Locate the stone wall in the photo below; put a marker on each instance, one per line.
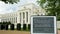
(58, 24)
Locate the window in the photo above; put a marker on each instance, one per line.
(26, 16)
(16, 19)
(23, 15)
(20, 17)
(23, 21)
(12, 20)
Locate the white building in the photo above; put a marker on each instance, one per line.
(0, 18)
(23, 14)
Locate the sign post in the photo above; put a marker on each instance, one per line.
(43, 25)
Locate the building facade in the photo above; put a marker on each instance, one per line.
(23, 14)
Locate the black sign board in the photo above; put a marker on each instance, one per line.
(43, 24)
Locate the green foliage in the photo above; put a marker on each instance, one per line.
(52, 7)
(29, 25)
(24, 26)
(5, 23)
(10, 1)
(42, 2)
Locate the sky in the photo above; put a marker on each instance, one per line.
(7, 8)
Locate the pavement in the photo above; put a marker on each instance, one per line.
(58, 32)
(17, 32)
(13, 32)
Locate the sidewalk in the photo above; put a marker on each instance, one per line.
(16, 32)
(13, 32)
(58, 31)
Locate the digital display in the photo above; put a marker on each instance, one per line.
(43, 25)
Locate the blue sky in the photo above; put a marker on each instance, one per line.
(7, 8)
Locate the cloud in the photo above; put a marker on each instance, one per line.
(7, 8)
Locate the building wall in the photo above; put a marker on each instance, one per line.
(0, 18)
(9, 17)
(23, 14)
(58, 24)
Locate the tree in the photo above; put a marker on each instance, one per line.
(10, 1)
(52, 7)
